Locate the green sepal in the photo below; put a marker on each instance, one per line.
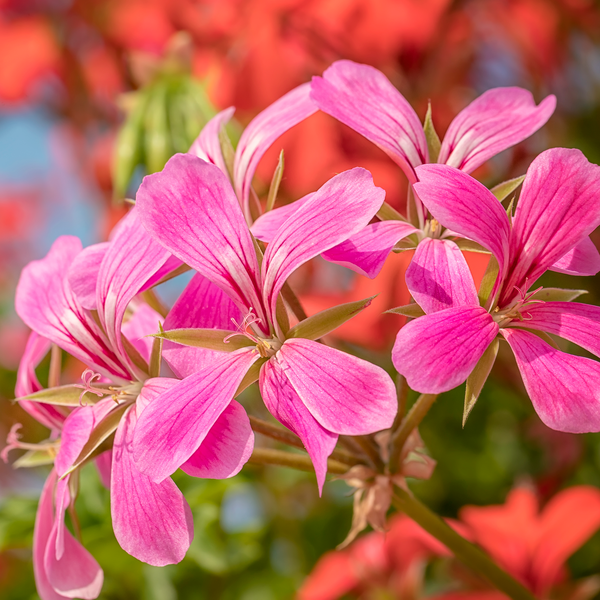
(488, 281)
(34, 458)
(478, 377)
(156, 355)
(433, 140)
(136, 358)
(99, 435)
(275, 183)
(211, 339)
(227, 151)
(251, 376)
(66, 395)
(504, 189)
(471, 246)
(327, 320)
(388, 213)
(557, 295)
(409, 310)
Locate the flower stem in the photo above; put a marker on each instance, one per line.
(415, 415)
(293, 302)
(369, 447)
(472, 556)
(301, 462)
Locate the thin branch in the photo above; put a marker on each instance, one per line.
(301, 462)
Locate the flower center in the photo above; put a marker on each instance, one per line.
(432, 229)
(514, 310)
(266, 347)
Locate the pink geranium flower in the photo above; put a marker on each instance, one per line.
(363, 98)
(316, 391)
(558, 208)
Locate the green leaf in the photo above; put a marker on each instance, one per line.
(275, 183)
(387, 213)
(433, 140)
(557, 295)
(470, 246)
(99, 435)
(409, 310)
(251, 376)
(504, 189)
(212, 339)
(34, 458)
(327, 320)
(157, 137)
(478, 377)
(66, 395)
(489, 278)
(129, 151)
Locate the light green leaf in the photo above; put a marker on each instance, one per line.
(557, 295)
(478, 377)
(409, 310)
(489, 278)
(211, 339)
(504, 189)
(433, 140)
(66, 395)
(327, 320)
(275, 183)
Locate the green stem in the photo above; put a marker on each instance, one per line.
(301, 462)
(469, 554)
(415, 415)
(369, 447)
(293, 302)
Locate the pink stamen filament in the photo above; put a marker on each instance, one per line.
(13, 443)
(88, 377)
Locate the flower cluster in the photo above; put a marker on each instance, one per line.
(159, 388)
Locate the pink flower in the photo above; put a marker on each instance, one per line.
(558, 208)
(316, 391)
(363, 98)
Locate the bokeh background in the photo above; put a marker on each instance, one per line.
(74, 72)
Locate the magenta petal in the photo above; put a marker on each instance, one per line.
(366, 251)
(172, 427)
(578, 323)
(207, 145)
(438, 277)
(564, 389)
(226, 448)
(263, 130)
(437, 352)
(201, 305)
(465, 206)
(285, 405)
(583, 259)
(143, 322)
(47, 305)
(131, 259)
(339, 209)
(191, 209)
(152, 521)
(363, 98)
(104, 466)
(83, 273)
(559, 207)
(345, 394)
(267, 225)
(497, 120)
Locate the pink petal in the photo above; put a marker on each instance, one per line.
(339, 209)
(497, 120)
(267, 225)
(104, 466)
(190, 208)
(207, 145)
(226, 448)
(438, 277)
(364, 99)
(366, 251)
(172, 427)
(143, 322)
(201, 305)
(437, 352)
(559, 206)
(285, 405)
(131, 259)
(465, 206)
(578, 323)
(583, 259)
(44, 521)
(152, 521)
(345, 394)
(564, 389)
(83, 273)
(27, 383)
(47, 305)
(262, 131)
(71, 570)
